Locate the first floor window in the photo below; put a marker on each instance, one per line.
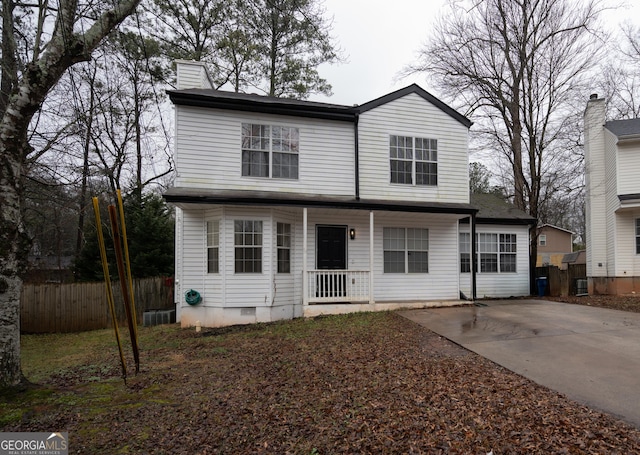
(270, 151)
(213, 246)
(496, 252)
(465, 252)
(507, 253)
(406, 250)
(283, 242)
(247, 235)
(637, 235)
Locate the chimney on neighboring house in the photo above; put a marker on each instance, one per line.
(595, 183)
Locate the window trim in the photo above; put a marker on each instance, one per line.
(280, 248)
(209, 236)
(394, 145)
(499, 254)
(637, 235)
(293, 144)
(236, 247)
(406, 251)
(542, 240)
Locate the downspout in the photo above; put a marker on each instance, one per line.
(474, 264)
(357, 155)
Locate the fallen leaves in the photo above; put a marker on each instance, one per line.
(368, 383)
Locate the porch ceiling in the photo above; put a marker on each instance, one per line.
(183, 197)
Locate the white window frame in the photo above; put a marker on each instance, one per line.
(542, 240)
(637, 235)
(248, 240)
(213, 246)
(276, 143)
(410, 245)
(489, 252)
(283, 247)
(415, 152)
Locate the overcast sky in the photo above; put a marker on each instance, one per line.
(380, 37)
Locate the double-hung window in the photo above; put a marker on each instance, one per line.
(507, 253)
(413, 160)
(247, 235)
(496, 252)
(406, 250)
(213, 246)
(283, 242)
(270, 151)
(465, 252)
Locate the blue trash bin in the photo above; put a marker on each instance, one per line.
(542, 285)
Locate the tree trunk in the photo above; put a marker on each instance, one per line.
(26, 96)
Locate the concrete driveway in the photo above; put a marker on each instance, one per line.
(591, 355)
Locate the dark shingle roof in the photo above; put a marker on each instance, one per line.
(624, 128)
(284, 106)
(494, 209)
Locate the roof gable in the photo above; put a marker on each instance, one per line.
(415, 88)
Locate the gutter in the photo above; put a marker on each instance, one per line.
(357, 155)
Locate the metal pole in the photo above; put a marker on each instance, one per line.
(109, 290)
(123, 284)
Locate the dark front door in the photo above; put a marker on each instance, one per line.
(332, 247)
(331, 254)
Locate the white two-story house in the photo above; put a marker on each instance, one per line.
(612, 159)
(289, 208)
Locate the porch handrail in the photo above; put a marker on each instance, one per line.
(326, 286)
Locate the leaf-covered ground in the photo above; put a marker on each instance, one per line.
(629, 302)
(367, 384)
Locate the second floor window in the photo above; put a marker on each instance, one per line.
(413, 160)
(270, 151)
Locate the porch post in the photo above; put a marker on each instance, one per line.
(371, 298)
(305, 279)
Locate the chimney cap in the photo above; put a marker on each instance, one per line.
(594, 96)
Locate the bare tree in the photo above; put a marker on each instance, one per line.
(64, 36)
(520, 68)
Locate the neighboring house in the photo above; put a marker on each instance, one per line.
(612, 160)
(288, 208)
(553, 243)
(502, 249)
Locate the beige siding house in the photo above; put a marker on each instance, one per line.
(288, 208)
(553, 243)
(612, 157)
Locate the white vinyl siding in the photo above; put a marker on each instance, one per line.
(210, 158)
(412, 116)
(442, 258)
(496, 284)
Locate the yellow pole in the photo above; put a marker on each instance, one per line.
(107, 281)
(127, 262)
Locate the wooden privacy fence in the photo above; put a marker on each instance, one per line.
(50, 308)
(562, 282)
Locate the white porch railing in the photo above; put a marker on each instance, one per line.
(326, 286)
